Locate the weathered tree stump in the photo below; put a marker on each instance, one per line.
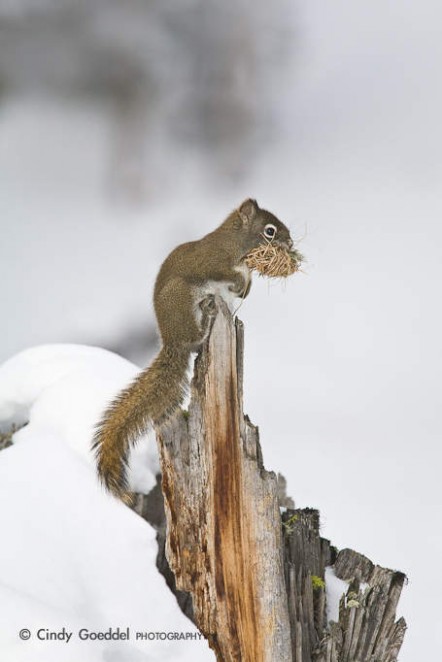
(224, 539)
(366, 630)
(252, 580)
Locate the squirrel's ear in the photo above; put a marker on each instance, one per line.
(248, 210)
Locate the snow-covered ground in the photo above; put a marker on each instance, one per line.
(342, 364)
(72, 558)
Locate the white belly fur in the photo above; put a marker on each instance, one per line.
(220, 288)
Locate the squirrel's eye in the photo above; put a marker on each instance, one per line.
(269, 231)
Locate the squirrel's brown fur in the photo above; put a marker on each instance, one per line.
(184, 304)
(151, 397)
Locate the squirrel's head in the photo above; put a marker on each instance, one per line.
(261, 226)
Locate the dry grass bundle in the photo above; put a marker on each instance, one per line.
(273, 261)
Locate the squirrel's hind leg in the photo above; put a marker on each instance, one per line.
(184, 314)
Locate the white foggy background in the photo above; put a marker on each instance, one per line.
(125, 130)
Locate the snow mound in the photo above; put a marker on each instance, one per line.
(72, 556)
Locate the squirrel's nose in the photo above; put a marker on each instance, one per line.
(290, 243)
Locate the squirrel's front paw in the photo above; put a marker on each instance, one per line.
(240, 291)
(208, 306)
(208, 309)
(236, 289)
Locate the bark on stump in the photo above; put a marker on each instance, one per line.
(366, 630)
(251, 580)
(224, 538)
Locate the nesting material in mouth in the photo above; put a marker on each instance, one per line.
(273, 261)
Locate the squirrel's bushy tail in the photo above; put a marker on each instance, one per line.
(150, 399)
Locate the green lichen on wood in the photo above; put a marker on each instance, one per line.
(317, 583)
(289, 525)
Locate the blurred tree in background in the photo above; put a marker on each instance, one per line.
(199, 72)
